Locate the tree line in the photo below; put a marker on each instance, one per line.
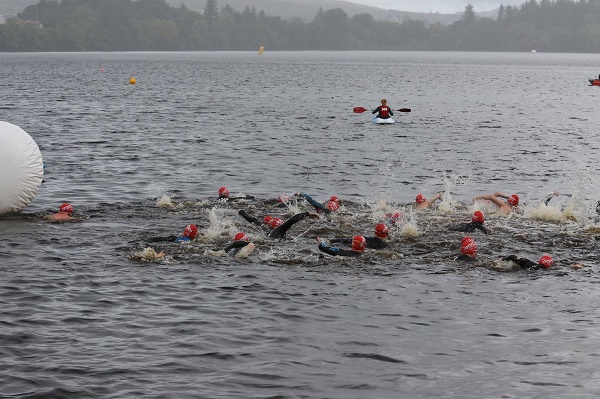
(153, 25)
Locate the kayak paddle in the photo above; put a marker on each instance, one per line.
(360, 110)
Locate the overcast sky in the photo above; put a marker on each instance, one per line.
(442, 6)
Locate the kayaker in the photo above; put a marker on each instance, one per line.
(512, 201)
(359, 243)
(476, 224)
(383, 111)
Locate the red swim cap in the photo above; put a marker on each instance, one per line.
(420, 199)
(359, 243)
(68, 208)
(276, 222)
(468, 246)
(393, 217)
(332, 205)
(334, 199)
(477, 217)
(267, 219)
(283, 198)
(381, 230)
(241, 237)
(546, 261)
(190, 231)
(223, 192)
(513, 200)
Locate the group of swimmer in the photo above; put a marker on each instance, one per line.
(276, 228)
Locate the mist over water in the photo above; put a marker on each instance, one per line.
(84, 315)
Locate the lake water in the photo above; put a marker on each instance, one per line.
(83, 315)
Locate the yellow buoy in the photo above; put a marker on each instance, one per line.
(132, 81)
(260, 50)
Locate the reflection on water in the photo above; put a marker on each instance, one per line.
(84, 315)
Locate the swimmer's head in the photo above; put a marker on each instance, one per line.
(393, 217)
(276, 222)
(267, 219)
(359, 243)
(223, 192)
(546, 261)
(332, 206)
(383, 101)
(190, 231)
(381, 230)
(420, 199)
(241, 236)
(513, 200)
(468, 246)
(66, 208)
(477, 217)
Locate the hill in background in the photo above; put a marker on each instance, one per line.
(304, 9)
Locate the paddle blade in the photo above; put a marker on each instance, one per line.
(404, 110)
(359, 110)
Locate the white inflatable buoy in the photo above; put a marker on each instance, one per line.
(21, 168)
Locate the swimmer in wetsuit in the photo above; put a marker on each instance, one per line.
(359, 243)
(240, 241)
(278, 227)
(383, 111)
(468, 250)
(224, 194)
(331, 205)
(512, 201)
(377, 242)
(476, 224)
(189, 233)
(544, 263)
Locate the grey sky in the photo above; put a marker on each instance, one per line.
(442, 6)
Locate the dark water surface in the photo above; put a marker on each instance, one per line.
(82, 315)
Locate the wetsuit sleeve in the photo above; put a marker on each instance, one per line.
(524, 263)
(236, 245)
(341, 241)
(376, 110)
(334, 251)
(481, 227)
(279, 232)
(460, 227)
(375, 243)
(391, 112)
(159, 239)
(318, 206)
(249, 218)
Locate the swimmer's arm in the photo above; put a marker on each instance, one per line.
(499, 194)
(493, 198)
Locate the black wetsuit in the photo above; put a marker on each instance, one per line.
(524, 263)
(249, 218)
(235, 247)
(279, 232)
(469, 227)
(318, 206)
(372, 242)
(377, 111)
(172, 238)
(334, 251)
(465, 258)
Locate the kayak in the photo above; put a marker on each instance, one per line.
(383, 121)
(594, 82)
